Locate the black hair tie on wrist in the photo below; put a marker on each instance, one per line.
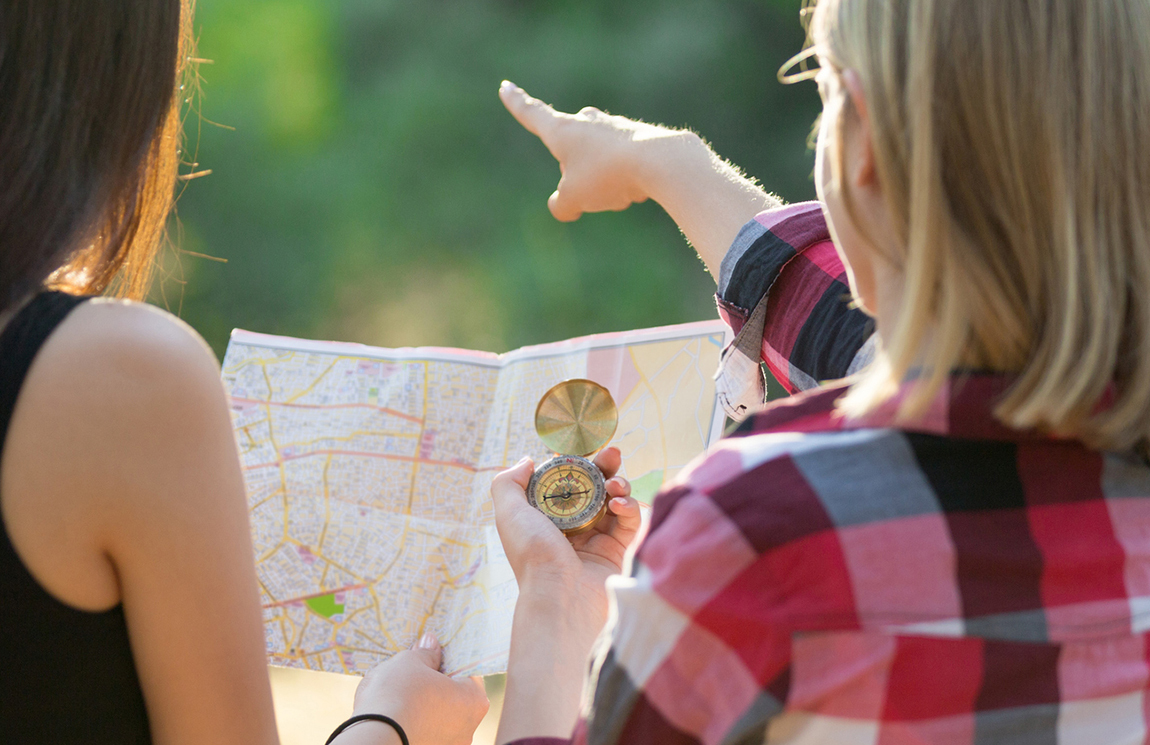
(372, 717)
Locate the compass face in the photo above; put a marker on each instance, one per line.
(571, 491)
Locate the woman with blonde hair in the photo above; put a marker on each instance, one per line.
(952, 545)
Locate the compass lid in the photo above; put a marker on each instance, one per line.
(576, 417)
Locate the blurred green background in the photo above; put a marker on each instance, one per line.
(369, 185)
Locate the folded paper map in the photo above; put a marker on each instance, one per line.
(368, 474)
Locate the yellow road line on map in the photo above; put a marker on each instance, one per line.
(382, 456)
(303, 629)
(422, 432)
(315, 382)
(265, 589)
(327, 407)
(507, 438)
(367, 609)
(353, 435)
(430, 612)
(340, 567)
(246, 429)
(265, 500)
(379, 619)
(326, 508)
(402, 540)
(283, 357)
(276, 450)
(376, 642)
(267, 381)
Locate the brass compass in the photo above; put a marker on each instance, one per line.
(575, 419)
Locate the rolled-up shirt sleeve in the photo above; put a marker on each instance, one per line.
(812, 331)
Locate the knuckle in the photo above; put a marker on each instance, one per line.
(590, 112)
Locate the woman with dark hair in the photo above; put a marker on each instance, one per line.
(129, 610)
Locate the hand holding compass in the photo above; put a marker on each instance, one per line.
(576, 418)
(562, 578)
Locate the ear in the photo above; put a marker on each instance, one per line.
(861, 169)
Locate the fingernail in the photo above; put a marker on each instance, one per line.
(506, 85)
(428, 641)
(523, 460)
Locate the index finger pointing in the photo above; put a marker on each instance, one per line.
(533, 114)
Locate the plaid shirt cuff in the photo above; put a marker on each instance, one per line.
(812, 333)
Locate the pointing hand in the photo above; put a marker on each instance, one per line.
(598, 154)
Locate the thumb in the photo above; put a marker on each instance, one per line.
(428, 651)
(562, 208)
(507, 489)
(519, 475)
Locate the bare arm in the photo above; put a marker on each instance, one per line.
(122, 484)
(562, 602)
(610, 162)
(123, 431)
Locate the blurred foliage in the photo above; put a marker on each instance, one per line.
(369, 186)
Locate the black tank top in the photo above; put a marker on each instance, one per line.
(66, 675)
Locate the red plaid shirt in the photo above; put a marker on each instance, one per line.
(816, 580)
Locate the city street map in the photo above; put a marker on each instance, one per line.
(368, 474)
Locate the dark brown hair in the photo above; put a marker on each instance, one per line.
(89, 141)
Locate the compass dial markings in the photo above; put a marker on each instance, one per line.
(570, 491)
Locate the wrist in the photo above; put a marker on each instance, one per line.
(368, 732)
(665, 158)
(566, 613)
(548, 579)
(545, 669)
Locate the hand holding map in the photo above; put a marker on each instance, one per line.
(368, 474)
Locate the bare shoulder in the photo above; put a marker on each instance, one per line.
(117, 386)
(123, 405)
(115, 378)
(130, 342)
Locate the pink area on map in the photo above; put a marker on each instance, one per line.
(427, 443)
(613, 367)
(242, 406)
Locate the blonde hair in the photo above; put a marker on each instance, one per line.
(1012, 142)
